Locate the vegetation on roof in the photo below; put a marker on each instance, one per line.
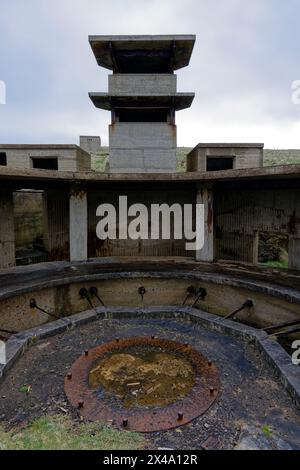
(271, 158)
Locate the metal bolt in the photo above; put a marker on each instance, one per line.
(211, 390)
(125, 423)
(69, 376)
(209, 363)
(80, 403)
(180, 416)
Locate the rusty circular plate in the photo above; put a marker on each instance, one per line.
(93, 408)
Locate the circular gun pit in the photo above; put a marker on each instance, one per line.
(142, 384)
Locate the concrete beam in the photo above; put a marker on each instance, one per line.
(205, 196)
(78, 224)
(7, 231)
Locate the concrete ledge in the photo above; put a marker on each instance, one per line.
(272, 352)
(63, 273)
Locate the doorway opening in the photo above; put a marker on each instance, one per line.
(273, 249)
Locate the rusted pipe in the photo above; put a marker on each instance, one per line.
(85, 295)
(202, 293)
(94, 293)
(286, 332)
(248, 304)
(8, 332)
(281, 325)
(142, 291)
(33, 304)
(191, 290)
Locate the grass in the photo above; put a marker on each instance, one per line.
(60, 433)
(266, 431)
(276, 264)
(271, 158)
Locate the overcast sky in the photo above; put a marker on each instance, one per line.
(244, 62)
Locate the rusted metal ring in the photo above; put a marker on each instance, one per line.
(197, 402)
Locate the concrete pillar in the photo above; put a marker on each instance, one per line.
(205, 196)
(56, 224)
(294, 253)
(7, 230)
(78, 224)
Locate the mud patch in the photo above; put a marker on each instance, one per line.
(143, 377)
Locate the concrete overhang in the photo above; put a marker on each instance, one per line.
(178, 101)
(46, 178)
(143, 54)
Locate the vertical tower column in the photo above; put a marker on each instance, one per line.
(78, 224)
(7, 231)
(205, 196)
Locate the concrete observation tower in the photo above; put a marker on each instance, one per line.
(142, 98)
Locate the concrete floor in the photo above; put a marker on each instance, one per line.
(251, 394)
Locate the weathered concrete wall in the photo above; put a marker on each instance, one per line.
(240, 214)
(142, 147)
(142, 195)
(90, 144)
(251, 157)
(16, 314)
(7, 232)
(56, 224)
(28, 216)
(142, 161)
(78, 224)
(142, 84)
